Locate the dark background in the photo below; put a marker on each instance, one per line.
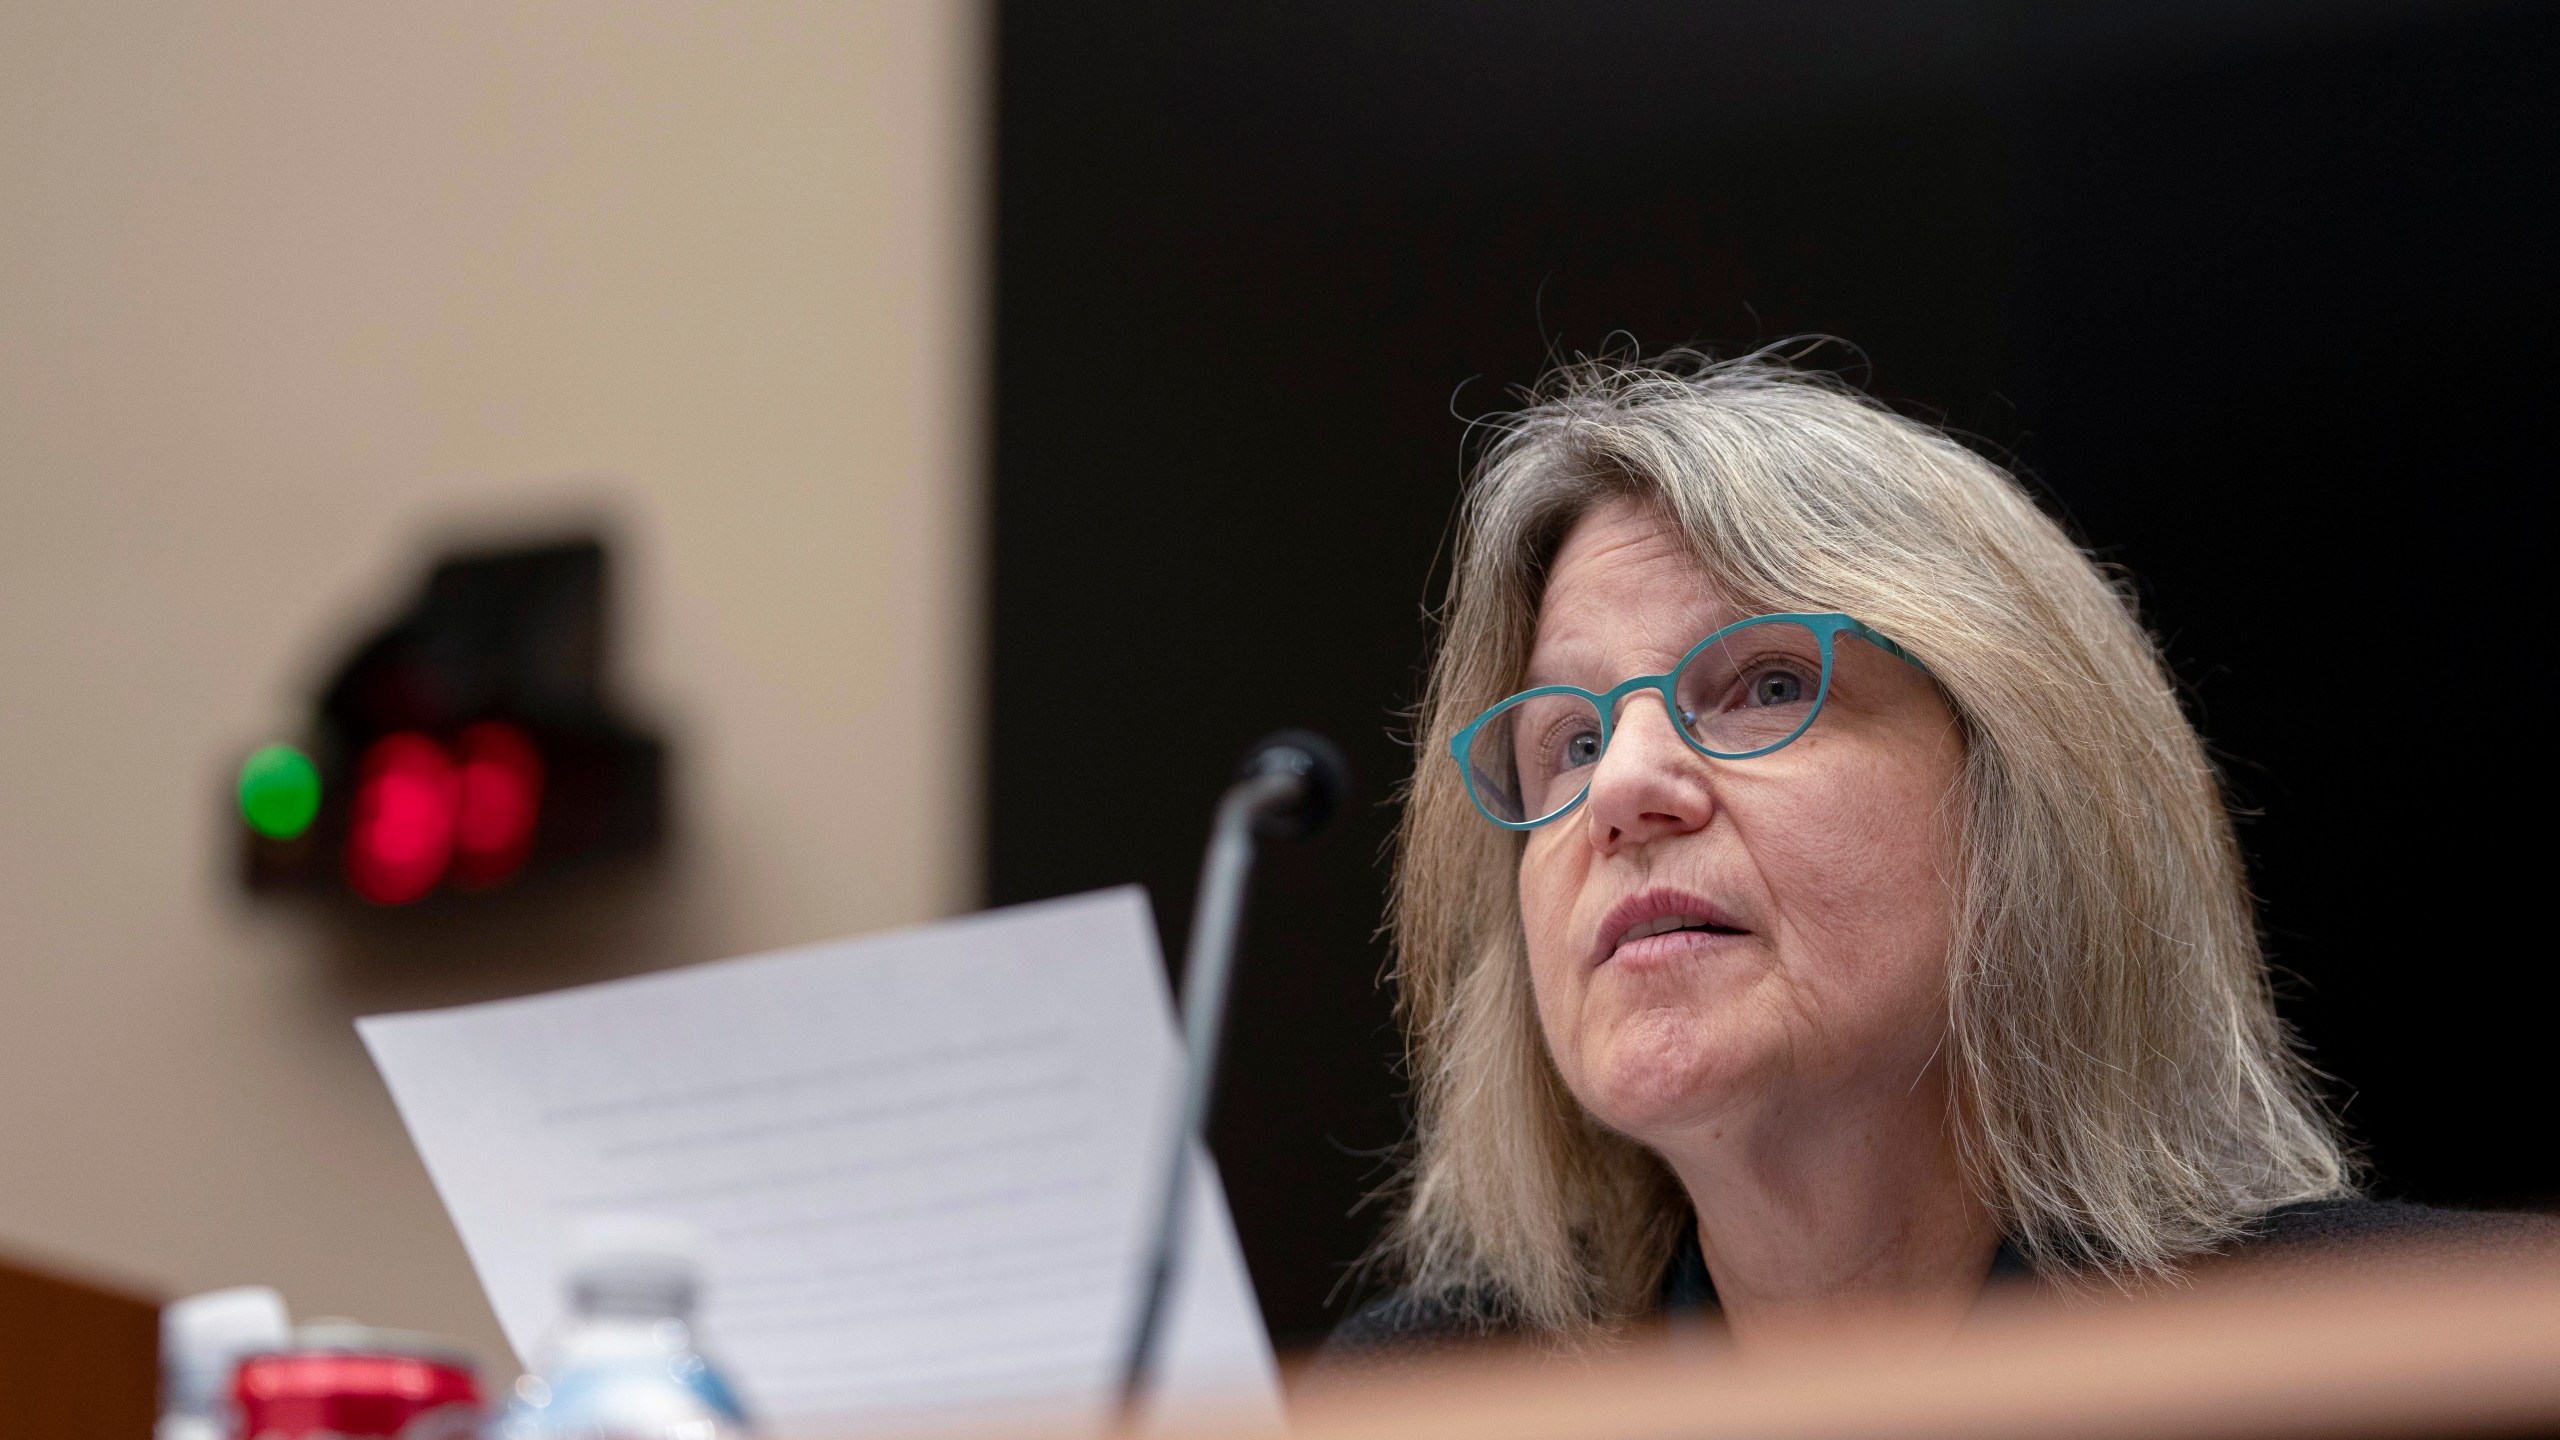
(2254, 293)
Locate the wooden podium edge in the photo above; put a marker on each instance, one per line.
(2301, 1354)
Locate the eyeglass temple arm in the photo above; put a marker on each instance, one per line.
(1886, 643)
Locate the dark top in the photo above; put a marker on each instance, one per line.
(1407, 1320)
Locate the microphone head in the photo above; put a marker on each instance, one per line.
(1324, 782)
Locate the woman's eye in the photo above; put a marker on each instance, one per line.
(1778, 687)
(1582, 748)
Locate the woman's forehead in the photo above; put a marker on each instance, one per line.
(1624, 591)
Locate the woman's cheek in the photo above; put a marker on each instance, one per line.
(1547, 892)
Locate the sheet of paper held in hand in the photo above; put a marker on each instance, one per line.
(925, 1160)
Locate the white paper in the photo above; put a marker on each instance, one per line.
(926, 1159)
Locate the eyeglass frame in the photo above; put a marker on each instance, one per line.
(1827, 627)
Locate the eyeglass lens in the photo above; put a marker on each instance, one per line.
(1753, 689)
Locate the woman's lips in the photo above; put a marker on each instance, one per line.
(1658, 949)
(1657, 924)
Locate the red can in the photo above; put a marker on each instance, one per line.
(348, 1382)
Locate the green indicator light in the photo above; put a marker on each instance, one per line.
(279, 792)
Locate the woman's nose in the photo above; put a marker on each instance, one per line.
(1649, 784)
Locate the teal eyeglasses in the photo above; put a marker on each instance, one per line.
(1748, 689)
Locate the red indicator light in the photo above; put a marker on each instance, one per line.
(401, 835)
(501, 803)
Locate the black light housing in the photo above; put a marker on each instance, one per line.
(471, 744)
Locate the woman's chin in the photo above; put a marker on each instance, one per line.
(1663, 1072)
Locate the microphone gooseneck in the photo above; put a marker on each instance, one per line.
(1288, 787)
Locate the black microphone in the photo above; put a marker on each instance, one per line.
(1287, 788)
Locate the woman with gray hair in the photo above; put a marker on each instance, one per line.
(1812, 899)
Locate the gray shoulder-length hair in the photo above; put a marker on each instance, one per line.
(2123, 1093)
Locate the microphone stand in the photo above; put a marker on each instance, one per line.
(1289, 786)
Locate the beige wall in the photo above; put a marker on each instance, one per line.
(286, 289)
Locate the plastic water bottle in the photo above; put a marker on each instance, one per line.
(624, 1363)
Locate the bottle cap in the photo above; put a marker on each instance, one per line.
(635, 1264)
(204, 1336)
